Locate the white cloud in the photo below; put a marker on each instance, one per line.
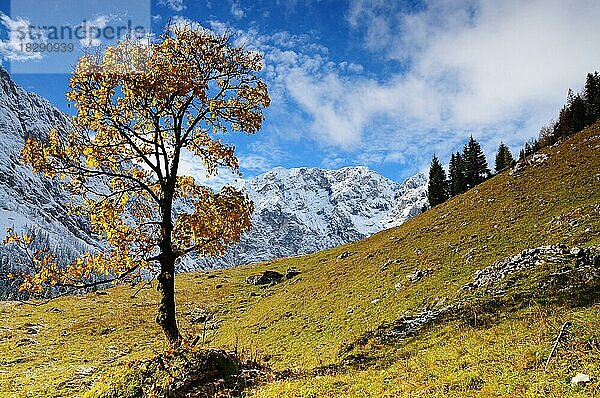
(236, 10)
(255, 163)
(175, 5)
(20, 35)
(90, 28)
(498, 70)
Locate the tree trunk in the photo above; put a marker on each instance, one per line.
(166, 310)
(166, 279)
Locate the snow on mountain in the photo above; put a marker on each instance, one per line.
(31, 202)
(303, 210)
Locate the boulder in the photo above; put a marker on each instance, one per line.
(418, 274)
(580, 379)
(292, 272)
(345, 255)
(266, 278)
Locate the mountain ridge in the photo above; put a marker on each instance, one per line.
(306, 209)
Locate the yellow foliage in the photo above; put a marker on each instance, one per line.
(139, 106)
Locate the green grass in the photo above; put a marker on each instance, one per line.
(303, 324)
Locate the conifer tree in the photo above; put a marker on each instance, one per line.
(457, 184)
(578, 114)
(437, 189)
(591, 97)
(475, 164)
(504, 158)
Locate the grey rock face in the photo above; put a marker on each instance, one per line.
(304, 210)
(29, 202)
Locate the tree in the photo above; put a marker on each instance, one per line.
(456, 172)
(437, 188)
(504, 158)
(475, 165)
(141, 107)
(591, 97)
(578, 114)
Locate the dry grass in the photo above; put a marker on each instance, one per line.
(302, 324)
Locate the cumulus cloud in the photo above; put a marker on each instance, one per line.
(90, 28)
(489, 61)
(498, 70)
(20, 35)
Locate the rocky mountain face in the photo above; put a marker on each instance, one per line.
(297, 211)
(304, 210)
(31, 202)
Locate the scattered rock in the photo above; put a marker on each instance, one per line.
(580, 379)
(577, 251)
(106, 331)
(85, 372)
(385, 266)
(398, 286)
(345, 255)
(581, 266)
(292, 272)
(101, 293)
(419, 274)
(32, 328)
(536, 159)
(25, 341)
(265, 278)
(200, 316)
(406, 326)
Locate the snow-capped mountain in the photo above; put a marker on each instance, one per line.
(30, 202)
(303, 210)
(297, 211)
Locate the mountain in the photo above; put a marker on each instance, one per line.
(303, 210)
(30, 202)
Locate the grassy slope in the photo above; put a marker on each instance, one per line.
(303, 323)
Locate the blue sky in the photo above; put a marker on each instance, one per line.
(384, 83)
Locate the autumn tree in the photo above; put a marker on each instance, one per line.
(141, 107)
(437, 188)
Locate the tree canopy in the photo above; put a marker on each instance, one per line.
(457, 183)
(141, 107)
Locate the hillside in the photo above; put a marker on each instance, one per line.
(337, 325)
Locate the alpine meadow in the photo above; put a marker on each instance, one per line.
(299, 199)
